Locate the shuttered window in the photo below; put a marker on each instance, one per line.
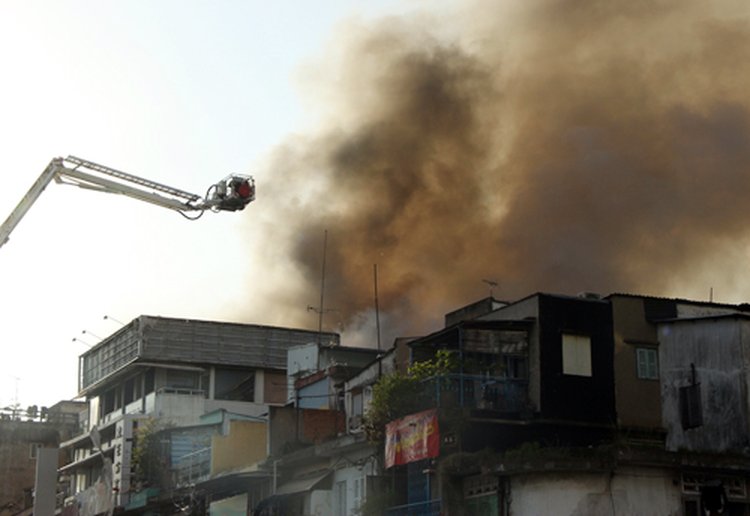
(576, 354)
(647, 363)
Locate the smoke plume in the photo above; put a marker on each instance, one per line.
(558, 146)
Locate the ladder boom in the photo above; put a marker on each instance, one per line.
(232, 193)
(132, 178)
(85, 180)
(28, 200)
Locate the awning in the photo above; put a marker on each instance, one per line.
(299, 484)
(321, 480)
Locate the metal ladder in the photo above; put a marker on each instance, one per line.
(133, 179)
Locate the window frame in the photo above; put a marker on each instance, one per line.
(645, 373)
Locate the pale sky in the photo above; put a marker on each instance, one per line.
(180, 92)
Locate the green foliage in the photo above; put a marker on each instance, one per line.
(149, 458)
(396, 395)
(441, 364)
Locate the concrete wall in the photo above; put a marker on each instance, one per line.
(287, 425)
(244, 446)
(318, 503)
(234, 506)
(630, 492)
(179, 409)
(302, 359)
(274, 387)
(638, 401)
(718, 349)
(316, 395)
(353, 472)
(282, 429)
(45, 486)
(17, 466)
(244, 408)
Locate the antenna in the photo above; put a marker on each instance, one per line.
(16, 379)
(322, 286)
(492, 284)
(377, 309)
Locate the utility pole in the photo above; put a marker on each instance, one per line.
(322, 287)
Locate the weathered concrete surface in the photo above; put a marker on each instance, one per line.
(629, 492)
(718, 348)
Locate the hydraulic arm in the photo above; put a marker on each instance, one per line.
(232, 193)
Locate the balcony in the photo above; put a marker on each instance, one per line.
(193, 467)
(506, 395)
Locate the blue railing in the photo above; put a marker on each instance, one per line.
(480, 392)
(428, 508)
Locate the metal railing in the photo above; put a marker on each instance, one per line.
(428, 508)
(479, 392)
(193, 467)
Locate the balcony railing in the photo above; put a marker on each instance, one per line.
(428, 508)
(193, 467)
(479, 392)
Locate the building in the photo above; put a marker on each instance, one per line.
(319, 455)
(22, 434)
(551, 404)
(188, 386)
(581, 405)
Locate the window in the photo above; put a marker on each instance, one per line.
(576, 354)
(647, 363)
(109, 401)
(234, 384)
(340, 496)
(179, 379)
(359, 491)
(357, 403)
(129, 390)
(148, 382)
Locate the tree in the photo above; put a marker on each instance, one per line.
(150, 458)
(397, 394)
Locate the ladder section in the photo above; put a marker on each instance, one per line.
(132, 179)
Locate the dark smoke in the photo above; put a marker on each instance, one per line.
(561, 146)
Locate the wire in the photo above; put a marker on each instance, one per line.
(189, 217)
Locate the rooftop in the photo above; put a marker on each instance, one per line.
(189, 341)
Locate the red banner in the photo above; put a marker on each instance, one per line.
(412, 438)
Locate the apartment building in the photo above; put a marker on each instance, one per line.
(192, 383)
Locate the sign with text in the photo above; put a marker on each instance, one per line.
(412, 438)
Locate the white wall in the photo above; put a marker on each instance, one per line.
(180, 409)
(319, 503)
(354, 471)
(630, 492)
(301, 359)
